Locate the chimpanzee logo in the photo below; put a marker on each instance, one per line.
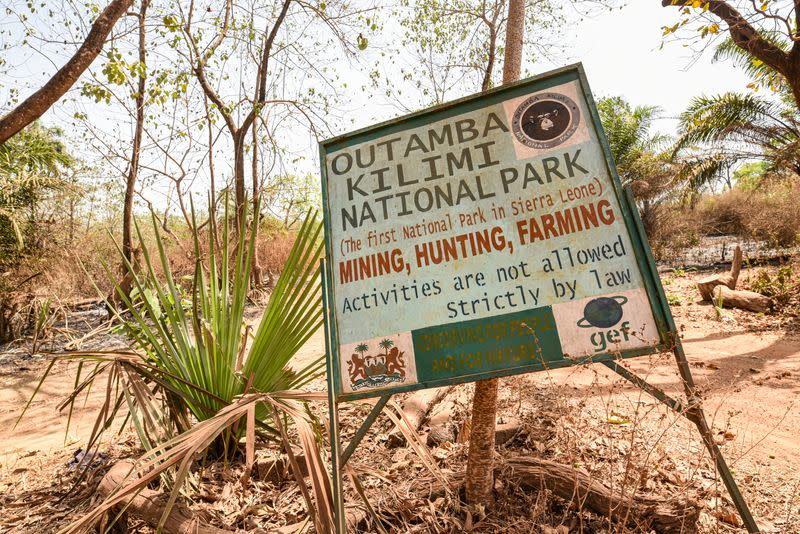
(545, 120)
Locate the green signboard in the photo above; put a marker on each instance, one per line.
(485, 237)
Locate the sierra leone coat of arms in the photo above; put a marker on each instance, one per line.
(368, 369)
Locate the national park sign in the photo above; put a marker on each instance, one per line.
(486, 237)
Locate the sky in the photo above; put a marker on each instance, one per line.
(621, 51)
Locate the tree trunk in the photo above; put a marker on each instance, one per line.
(130, 186)
(480, 459)
(257, 273)
(794, 83)
(238, 176)
(35, 105)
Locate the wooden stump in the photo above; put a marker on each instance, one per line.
(745, 300)
(706, 285)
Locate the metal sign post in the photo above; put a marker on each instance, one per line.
(487, 237)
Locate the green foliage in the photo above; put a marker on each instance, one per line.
(32, 163)
(734, 116)
(718, 302)
(749, 176)
(288, 197)
(649, 160)
(745, 126)
(206, 345)
(458, 45)
(195, 355)
(780, 287)
(637, 152)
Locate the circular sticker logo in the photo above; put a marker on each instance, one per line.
(602, 312)
(545, 120)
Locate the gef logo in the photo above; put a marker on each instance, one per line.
(604, 313)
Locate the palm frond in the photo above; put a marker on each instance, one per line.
(731, 116)
(180, 452)
(762, 74)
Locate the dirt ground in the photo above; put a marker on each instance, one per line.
(746, 366)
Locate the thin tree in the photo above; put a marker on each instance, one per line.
(35, 105)
(238, 132)
(480, 459)
(133, 169)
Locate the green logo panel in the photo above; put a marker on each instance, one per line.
(514, 340)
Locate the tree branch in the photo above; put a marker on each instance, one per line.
(744, 35)
(35, 105)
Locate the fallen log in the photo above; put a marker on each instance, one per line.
(149, 505)
(644, 511)
(678, 514)
(706, 285)
(416, 408)
(739, 298)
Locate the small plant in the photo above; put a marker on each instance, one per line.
(779, 287)
(718, 301)
(42, 323)
(674, 299)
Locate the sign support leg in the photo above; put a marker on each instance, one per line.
(365, 426)
(693, 411)
(696, 415)
(337, 464)
(333, 420)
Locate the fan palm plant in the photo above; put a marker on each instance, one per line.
(192, 353)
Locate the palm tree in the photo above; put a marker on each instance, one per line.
(746, 126)
(362, 348)
(629, 136)
(648, 161)
(31, 163)
(386, 344)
